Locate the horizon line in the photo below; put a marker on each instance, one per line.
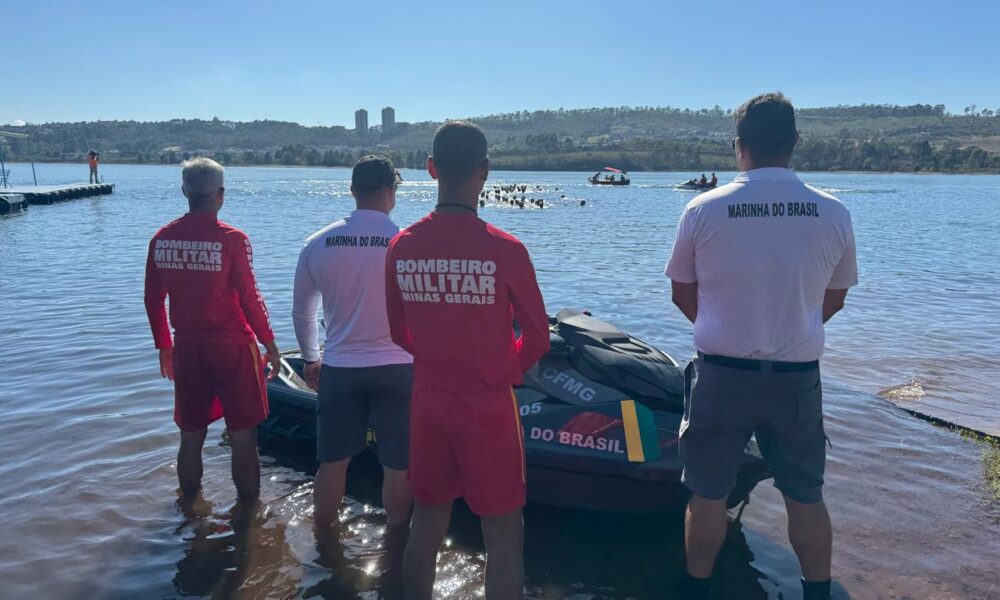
(946, 112)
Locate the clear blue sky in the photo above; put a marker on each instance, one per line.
(316, 62)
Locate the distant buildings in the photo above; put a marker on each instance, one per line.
(388, 119)
(361, 121)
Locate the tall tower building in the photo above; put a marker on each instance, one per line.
(388, 119)
(361, 121)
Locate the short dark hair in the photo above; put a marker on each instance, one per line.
(765, 125)
(373, 172)
(459, 147)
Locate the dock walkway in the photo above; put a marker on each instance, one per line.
(50, 194)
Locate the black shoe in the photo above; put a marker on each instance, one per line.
(694, 588)
(815, 590)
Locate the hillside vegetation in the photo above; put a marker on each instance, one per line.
(865, 138)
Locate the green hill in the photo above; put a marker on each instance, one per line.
(866, 137)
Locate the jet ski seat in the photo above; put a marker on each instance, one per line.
(609, 356)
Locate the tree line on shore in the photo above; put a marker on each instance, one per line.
(668, 155)
(868, 137)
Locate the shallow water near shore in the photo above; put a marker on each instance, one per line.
(87, 474)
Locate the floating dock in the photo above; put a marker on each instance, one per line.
(12, 203)
(50, 194)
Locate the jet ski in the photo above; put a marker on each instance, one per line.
(600, 413)
(695, 186)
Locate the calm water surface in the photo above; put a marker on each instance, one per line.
(87, 445)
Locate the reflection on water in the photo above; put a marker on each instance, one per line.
(248, 551)
(88, 447)
(230, 551)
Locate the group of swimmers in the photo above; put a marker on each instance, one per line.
(432, 371)
(513, 195)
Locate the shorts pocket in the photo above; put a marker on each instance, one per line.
(809, 401)
(690, 374)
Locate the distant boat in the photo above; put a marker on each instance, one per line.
(695, 186)
(609, 178)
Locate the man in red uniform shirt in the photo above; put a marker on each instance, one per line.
(206, 267)
(454, 286)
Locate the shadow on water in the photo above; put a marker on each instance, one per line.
(568, 553)
(227, 550)
(630, 555)
(359, 560)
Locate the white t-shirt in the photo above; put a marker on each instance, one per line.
(763, 250)
(344, 264)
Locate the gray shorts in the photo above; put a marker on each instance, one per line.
(351, 400)
(725, 405)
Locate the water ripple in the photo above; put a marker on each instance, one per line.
(88, 445)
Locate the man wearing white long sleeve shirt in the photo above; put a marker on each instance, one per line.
(363, 379)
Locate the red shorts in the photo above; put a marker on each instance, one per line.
(467, 445)
(216, 379)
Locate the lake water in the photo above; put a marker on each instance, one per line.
(87, 444)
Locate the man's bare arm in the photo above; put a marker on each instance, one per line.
(685, 296)
(833, 301)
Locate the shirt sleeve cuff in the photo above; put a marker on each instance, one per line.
(679, 275)
(842, 285)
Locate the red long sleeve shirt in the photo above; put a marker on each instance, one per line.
(454, 285)
(206, 267)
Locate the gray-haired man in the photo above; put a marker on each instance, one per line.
(218, 315)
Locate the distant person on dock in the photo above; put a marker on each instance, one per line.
(454, 286)
(92, 163)
(363, 378)
(206, 268)
(759, 266)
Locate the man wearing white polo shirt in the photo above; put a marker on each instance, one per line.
(759, 265)
(363, 378)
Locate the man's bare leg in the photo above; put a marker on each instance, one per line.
(811, 535)
(396, 497)
(504, 537)
(704, 532)
(328, 492)
(189, 467)
(246, 463)
(427, 530)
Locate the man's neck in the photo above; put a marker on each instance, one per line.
(204, 211)
(750, 165)
(375, 207)
(457, 201)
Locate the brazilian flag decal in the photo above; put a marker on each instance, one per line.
(641, 440)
